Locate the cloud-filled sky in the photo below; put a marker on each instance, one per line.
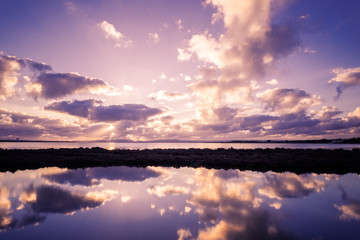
(190, 70)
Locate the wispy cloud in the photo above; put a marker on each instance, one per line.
(111, 32)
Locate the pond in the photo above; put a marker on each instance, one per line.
(170, 203)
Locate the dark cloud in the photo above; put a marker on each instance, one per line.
(225, 113)
(227, 174)
(135, 112)
(282, 39)
(51, 199)
(56, 85)
(92, 176)
(93, 110)
(76, 108)
(37, 66)
(287, 100)
(48, 199)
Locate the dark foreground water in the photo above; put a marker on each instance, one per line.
(185, 203)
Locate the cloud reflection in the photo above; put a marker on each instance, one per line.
(36, 202)
(351, 209)
(231, 204)
(92, 176)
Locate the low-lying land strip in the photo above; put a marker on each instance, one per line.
(278, 159)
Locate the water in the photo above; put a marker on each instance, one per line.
(111, 145)
(185, 203)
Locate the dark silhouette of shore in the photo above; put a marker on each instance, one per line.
(337, 161)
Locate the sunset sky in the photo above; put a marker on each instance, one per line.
(179, 69)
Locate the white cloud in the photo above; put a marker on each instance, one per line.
(163, 95)
(128, 88)
(272, 82)
(346, 78)
(111, 32)
(162, 75)
(183, 55)
(154, 37)
(162, 191)
(179, 24)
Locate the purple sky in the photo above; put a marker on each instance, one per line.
(190, 70)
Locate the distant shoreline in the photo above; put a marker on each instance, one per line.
(337, 161)
(323, 141)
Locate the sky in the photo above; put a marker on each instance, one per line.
(197, 70)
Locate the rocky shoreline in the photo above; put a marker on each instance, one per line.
(337, 161)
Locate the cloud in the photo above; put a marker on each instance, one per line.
(9, 68)
(163, 95)
(20, 125)
(56, 85)
(242, 55)
(95, 111)
(93, 176)
(76, 108)
(327, 112)
(183, 55)
(346, 78)
(230, 208)
(51, 199)
(351, 209)
(289, 185)
(154, 37)
(37, 202)
(111, 32)
(43, 83)
(272, 82)
(286, 100)
(179, 24)
(162, 191)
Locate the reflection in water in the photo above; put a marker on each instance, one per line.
(351, 209)
(167, 203)
(91, 176)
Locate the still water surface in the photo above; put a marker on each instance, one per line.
(185, 203)
(111, 145)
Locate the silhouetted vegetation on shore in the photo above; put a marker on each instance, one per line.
(279, 159)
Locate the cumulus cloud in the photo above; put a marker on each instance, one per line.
(45, 84)
(111, 32)
(163, 95)
(20, 125)
(9, 67)
(76, 108)
(241, 56)
(95, 111)
(183, 55)
(56, 85)
(345, 78)
(272, 82)
(154, 37)
(328, 112)
(286, 100)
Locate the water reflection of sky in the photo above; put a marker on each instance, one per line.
(186, 203)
